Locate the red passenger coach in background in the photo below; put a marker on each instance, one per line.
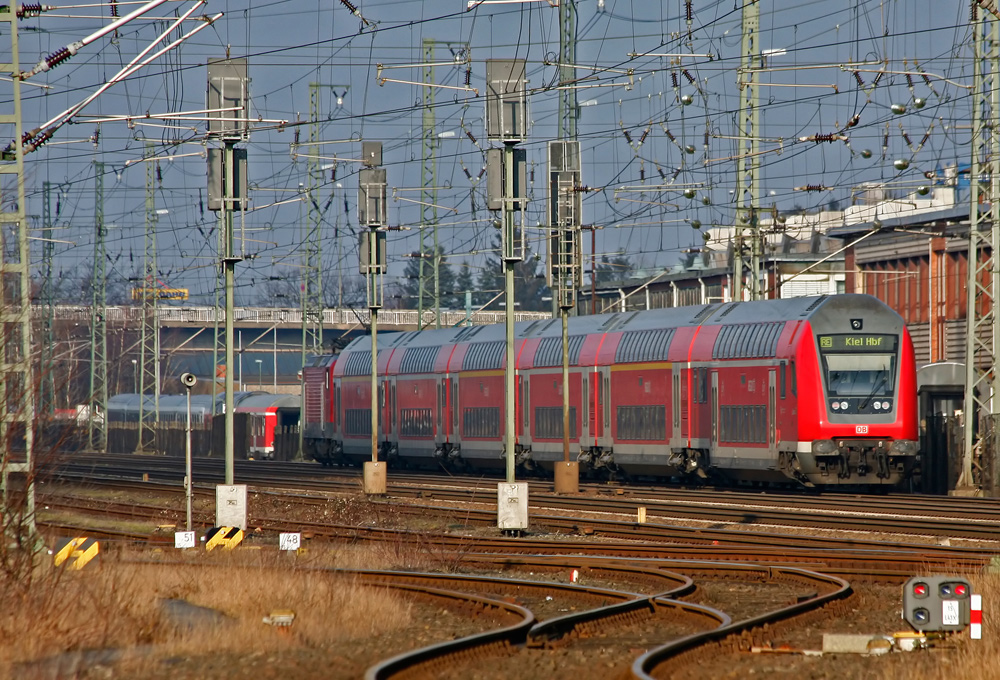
(820, 390)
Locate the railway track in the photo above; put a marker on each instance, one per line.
(458, 531)
(669, 564)
(943, 517)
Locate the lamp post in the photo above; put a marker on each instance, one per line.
(260, 379)
(189, 381)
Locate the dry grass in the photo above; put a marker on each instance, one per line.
(117, 603)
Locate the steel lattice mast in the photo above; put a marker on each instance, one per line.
(312, 274)
(97, 431)
(46, 363)
(17, 389)
(149, 337)
(983, 283)
(746, 256)
(569, 110)
(428, 195)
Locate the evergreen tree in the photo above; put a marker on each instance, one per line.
(463, 283)
(529, 282)
(613, 269)
(412, 277)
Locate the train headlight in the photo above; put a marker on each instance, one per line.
(886, 405)
(835, 406)
(877, 405)
(843, 405)
(824, 447)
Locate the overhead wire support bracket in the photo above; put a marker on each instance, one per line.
(64, 53)
(38, 136)
(382, 80)
(472, 4)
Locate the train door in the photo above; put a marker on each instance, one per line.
(772, 408)
(585, 407)
(390, 407)
(338, 417)
(455, 412)
(441, 432)
(595, 406)
(604, 399)
(714, 406)
(526, 409)
(676, 396)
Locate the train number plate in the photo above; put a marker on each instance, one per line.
(861, 429)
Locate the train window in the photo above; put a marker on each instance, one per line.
(525, 412)
(782, 380)
(454, 404)
(703, 385)
(607, 402)
(549, 422)
(860, 375)
(745, 338)
(677, 399)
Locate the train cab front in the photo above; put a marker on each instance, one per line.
(867, 434)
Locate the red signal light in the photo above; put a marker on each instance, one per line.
(920, 589)
(960, 590)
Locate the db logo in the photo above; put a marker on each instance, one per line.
(861, 429)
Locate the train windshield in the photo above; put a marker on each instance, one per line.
(859, 365)
(864, 375)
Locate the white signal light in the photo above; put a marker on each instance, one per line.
(843, 405)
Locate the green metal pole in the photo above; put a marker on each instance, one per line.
(508, 265)
(374, 313)
(230, 267)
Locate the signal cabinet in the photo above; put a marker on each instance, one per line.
(937, 603)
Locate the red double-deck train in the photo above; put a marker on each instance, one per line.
(821, 390)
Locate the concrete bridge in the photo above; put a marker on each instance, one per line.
(171, 316)
(268, 340)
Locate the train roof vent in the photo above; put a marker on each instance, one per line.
(816, 303)
(621, 320)
(359, 363)
(418, 360)
(610, 322)
(484, 356)
(728, 309)
(650, 345)
(550, 351)
(547, 326)
(467, 333)
(705, 313)
(748, 340)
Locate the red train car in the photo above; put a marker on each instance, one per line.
(821, 390)
(319, 407)
(265, 414)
